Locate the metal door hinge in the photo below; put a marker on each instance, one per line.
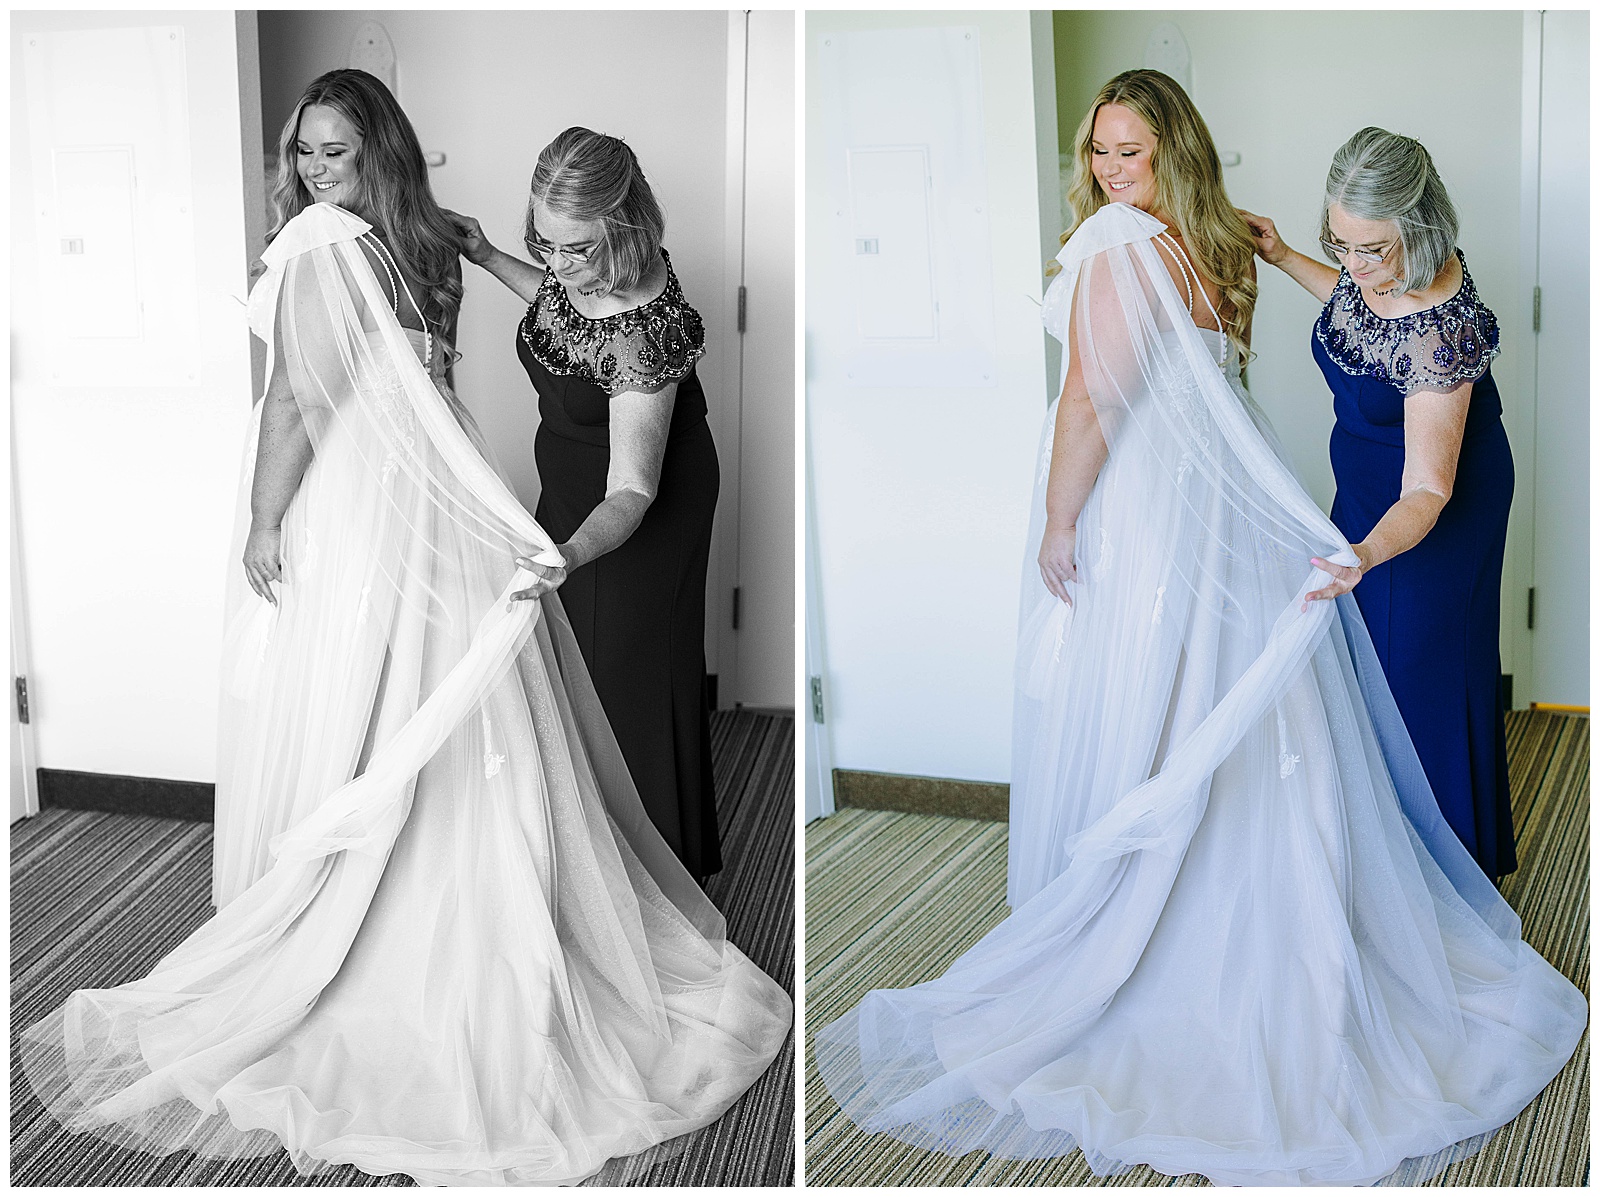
(742, 294)
(1530, 608)
(736, 595)
(816, 701)
(22, 700)
(1538, 297)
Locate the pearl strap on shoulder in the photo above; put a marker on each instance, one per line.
(1187, 267)
(393, 271)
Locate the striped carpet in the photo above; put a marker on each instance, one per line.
(97, 898)
(893, 899)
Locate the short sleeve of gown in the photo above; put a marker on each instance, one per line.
(652, 346)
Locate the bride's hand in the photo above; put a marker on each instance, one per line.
(1265, 234)
(1058, 561)
(1344, 577)
(475, 247)
(550, 577)
(262, 564)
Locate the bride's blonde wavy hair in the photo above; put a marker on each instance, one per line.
(1189, 190)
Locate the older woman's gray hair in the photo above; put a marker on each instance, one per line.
(1378, 175)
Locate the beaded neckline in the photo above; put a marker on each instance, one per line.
(1437, 348)
(1455, 295)
(666, 293)
(641, 349)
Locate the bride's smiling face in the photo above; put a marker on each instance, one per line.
(1121, 146)
(325, 155)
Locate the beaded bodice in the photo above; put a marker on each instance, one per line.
(1433, 350)
(642, 349)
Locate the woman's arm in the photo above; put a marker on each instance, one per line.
(639, 425)
(1077, 451)
(1317, 277)
(283, 451)
(1434, 422)
(522, 277)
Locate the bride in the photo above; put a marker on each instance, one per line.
(1243, 941)
(450, 942)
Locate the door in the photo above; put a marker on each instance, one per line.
(1560, 641)
(758, 624)
(129, 373)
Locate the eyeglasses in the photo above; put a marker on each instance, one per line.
(1366, 255)
(543, 249)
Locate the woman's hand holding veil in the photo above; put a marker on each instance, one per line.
(1344, 577)
(549, 578)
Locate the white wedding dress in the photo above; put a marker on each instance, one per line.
(450, 942)
(1243, 941)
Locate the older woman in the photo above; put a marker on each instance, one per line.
(1422, 464)
(627, 467)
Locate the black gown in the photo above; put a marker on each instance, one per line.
(638, 611)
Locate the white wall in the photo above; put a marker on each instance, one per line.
(921, 493)
(1284, 90)
(126, 494)
(490, 90)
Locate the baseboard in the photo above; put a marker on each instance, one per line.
(922, 795)
(119, 795)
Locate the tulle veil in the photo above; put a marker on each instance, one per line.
(449, 943)
(1243, 941)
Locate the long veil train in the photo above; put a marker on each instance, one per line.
(450, 942)
(1243, 940)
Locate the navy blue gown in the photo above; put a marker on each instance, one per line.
(638, 612)
(1434, 610)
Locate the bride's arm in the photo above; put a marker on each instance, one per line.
(283, 451)
(522, 277)
(1316, 277)
(1077, 451)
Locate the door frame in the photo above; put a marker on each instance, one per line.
(25, 769)
(1519, 657)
